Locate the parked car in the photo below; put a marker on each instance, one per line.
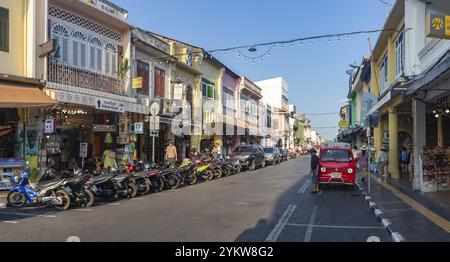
(283, 154)
(273, 156)
(249, 157)
(337, 165)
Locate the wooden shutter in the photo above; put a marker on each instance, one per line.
(160, 81)
(143, 70)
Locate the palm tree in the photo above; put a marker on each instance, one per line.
(123, 69)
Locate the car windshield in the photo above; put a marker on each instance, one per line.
(268, 150)
(336, 155)
(247, 149)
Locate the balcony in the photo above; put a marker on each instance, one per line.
(108, 7)
(71, 76)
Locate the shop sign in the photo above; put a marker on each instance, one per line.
(137, 82)
(83, 150)
(139, 128)
(178, 92)
(49, 126)
(344, 124)
(154, 133)
(438, 26)
(104, 128)
(110, 105)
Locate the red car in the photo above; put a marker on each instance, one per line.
(337, 164)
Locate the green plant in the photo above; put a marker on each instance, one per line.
(123, 69)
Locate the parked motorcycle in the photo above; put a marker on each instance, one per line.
(187, 171)
(51, 194)
(113, 184)
(139, 177)
(78, 189)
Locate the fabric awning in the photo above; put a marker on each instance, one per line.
(24, 97)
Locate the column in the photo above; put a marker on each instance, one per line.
(378, 134)
(393, 144)
(440, 132)
(419, 140)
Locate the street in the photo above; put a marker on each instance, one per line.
(272, 204)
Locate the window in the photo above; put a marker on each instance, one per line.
(61, 35)
(269, 118)
(208, 89)
(143, 70)
(110, 59)
(400, 54)
(78, 49)
(228, 99)
(160, 83)
(384, 74)
(95, 54)
(336, 155)
(4, 29)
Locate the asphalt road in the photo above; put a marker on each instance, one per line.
(271, 204)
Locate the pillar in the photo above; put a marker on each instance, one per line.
(440, 132)
(378, 134)
(393, 144)
(419, 140)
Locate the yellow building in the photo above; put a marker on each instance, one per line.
(394, 129)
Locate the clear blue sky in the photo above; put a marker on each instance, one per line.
(315, 75)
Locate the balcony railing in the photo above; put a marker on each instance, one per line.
(71, 76)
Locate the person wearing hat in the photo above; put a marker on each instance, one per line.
(363, 162)
(383, 162)
(314, 170)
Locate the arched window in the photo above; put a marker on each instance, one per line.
(95, 54)
(78, 49)
(61, 34)
(110, 59)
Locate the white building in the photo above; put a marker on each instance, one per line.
(276, 93)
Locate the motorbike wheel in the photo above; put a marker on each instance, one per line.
(89, 197)
(238, 170)
(207, 175)
(16, 199)
(132, 190)
(191, 179)
(147, 186)
(65, 200)
(218, 173)
(173, 181)
(227, 171)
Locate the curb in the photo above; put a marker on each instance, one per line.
(381, 217)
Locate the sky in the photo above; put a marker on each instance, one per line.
(315, 74)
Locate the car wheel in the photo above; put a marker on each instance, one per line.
(252, 166)
(263, 164)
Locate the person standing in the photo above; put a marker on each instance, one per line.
(314, 170)
(383, 163)
(171, 154)
(363, 162)
(110, 159)
(404, 160)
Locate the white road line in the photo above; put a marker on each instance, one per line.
(331, 226)
(83, 210)
(273, 236)
(305, 186)
(26, 214)
(11, 222)
(310, 227)
(138, 199)
(113, 204)
(320, 192)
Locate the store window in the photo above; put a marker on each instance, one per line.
(78, 49)
(208, 89)
(110, 59)
(4, 30)
(61, 35)
(160, 82)
(228, 99)
(384, 74)
(95, 54)
(143, 70)
(400, 54)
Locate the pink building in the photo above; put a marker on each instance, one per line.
(231, 82)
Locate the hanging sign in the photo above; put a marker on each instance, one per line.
(83, 150)
(110, 105)
(49, 126)
(344, 124)
(137, 82)
(139, 128)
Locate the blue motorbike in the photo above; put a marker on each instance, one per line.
(50, 194)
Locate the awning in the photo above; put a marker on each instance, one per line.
(24, 97)
(430, 77)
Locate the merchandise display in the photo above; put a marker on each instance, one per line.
(436, 169)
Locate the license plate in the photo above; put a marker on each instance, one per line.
(336, 175)
(68, 190)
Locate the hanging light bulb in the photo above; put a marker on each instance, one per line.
(268, 54)
(292, 45)
(434, 112)
(301, 43)
(309, 43)
(348, 37)
(320, 41)
(447, 111)
(329, 40)
(253, 62)
(339, 39)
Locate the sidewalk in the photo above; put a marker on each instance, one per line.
(415, 216)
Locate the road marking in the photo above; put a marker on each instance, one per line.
(331, 226)
(11, 222)
(310, 227)
(113, 204)
(73, 239)
(83, 210)
(305, 186)
(374, 239)
(399, 209)
(138, 199)
(430, 215)
(320, 192)
(273, 236)
(26, 214)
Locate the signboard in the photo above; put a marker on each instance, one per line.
(49, 126)
(110, 105)
(368, 100)
(154, 122)
(47, 48)
(344, 124)
(438, 26)
(83, 150)
(139, 128)
(104, 128)
(178, 92)
(154, 133)
(137, 82)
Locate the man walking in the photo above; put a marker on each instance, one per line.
(171, 154)
(314, 170)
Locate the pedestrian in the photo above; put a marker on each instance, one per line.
(314, 170)
(383, 163)
(110, 158)
(411, 167)
(363, 162)
(355, 152)
(404, 159)
(171, 154)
